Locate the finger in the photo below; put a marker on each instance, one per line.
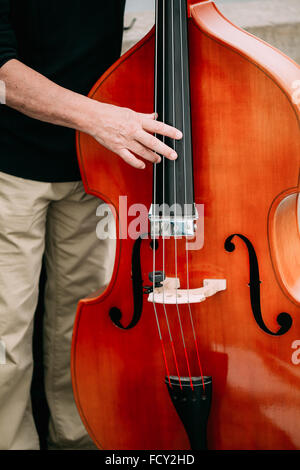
(149, 117)
(145, 153)
(129, 158)
(155, 145)
(158, 127)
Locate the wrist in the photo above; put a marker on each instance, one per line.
(90, 116)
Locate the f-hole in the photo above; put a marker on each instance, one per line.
(137, 289)
(284, 320)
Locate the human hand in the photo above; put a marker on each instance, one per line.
(130, 134)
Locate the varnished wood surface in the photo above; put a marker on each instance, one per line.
(246, 154)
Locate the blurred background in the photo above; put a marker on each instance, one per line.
(275, 21)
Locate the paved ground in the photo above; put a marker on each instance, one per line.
(143, 5)
(275, 21)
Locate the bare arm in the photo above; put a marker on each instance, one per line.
(120, 129)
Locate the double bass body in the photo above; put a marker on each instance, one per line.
(246, 147)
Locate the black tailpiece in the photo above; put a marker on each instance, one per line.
(192, 406)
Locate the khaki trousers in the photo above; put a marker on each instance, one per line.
(58, 219)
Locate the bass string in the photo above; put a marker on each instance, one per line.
(185, 197)
(175, 196)
(164, 212)
(154, 203)
(175, 193)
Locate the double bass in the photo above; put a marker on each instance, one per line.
(195, 342)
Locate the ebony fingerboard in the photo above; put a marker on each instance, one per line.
(174, 185)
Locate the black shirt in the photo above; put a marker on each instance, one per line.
(71, 42)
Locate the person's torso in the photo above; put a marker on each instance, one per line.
(71, 42)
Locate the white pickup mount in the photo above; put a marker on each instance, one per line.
(170, 292)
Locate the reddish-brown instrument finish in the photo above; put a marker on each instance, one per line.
(246, 145)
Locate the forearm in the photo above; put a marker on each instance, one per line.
(38, 97)
(122, 130)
